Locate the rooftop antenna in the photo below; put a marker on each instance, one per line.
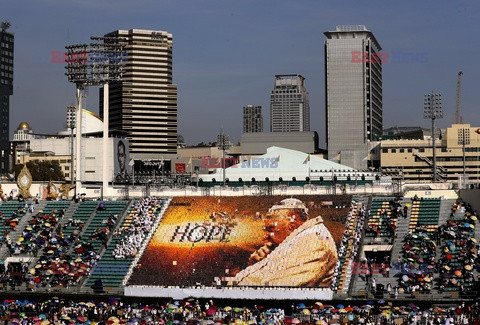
(458, 117)
(5, 25)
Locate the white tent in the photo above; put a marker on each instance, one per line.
(285, 164)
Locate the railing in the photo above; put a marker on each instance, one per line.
(442, 176)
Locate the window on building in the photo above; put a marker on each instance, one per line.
(394, 150)
(421, 150)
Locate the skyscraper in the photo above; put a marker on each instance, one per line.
(144, 103)
(6, 90)
(252, 119)
(289, 104)
(353, 94)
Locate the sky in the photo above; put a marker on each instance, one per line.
(226, 55)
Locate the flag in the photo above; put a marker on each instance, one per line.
(278, 159)
(190, 160)
(307, 159)
(131, 162)
(336, 158)
(246, 158)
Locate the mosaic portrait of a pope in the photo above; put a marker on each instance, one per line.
(298, 250)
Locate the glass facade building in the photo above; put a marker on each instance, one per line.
(6, 90)
(252, 119)
(289, 105)
(144, 103)
(353, 93)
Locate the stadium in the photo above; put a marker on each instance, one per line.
(412, 253)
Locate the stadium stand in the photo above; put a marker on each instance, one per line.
(76, 223)
(435, 253)
(120, 253)
(68, 253)
(418, 263)
(348, 248)
(424, 216)
(383, 219)
(98, 230)
(459, 250)
(10, 212)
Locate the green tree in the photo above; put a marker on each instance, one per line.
(42, 171)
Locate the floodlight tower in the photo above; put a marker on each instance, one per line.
(93, 64)
(464, 139)
(223, 143)
(432, 109)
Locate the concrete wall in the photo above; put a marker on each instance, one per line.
(472, 197)
(257, 143)
(120, 192)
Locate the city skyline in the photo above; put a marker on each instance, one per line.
(249, 44)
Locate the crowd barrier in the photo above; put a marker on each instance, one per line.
(267, 293)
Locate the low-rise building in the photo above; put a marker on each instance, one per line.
(258, 143)
(28, 146)
(457, 154)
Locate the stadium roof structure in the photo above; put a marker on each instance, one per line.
(280, 164)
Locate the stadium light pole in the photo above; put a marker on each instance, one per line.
(477, 131)
(71, 125)
(464, 139)
(223, 143)
(432, 109)
(94, 64)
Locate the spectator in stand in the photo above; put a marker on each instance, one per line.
(144, 216)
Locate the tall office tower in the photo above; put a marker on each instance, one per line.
(289, 104)
(252, 119)
(144, 103)
(6, 90)
(353, 93)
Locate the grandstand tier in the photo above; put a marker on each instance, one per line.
(263, 247)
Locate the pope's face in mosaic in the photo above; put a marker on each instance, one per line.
(282, 222)
(276, 227)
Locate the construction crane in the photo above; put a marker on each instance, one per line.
(458, 117)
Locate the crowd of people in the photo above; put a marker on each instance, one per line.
(418, 263)
(192, 312)
(422, 271)
(62, 260)
(355, 235)
(133, 234)
(9, 222)
(459, 249)
(58, 266)
(39, 232)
